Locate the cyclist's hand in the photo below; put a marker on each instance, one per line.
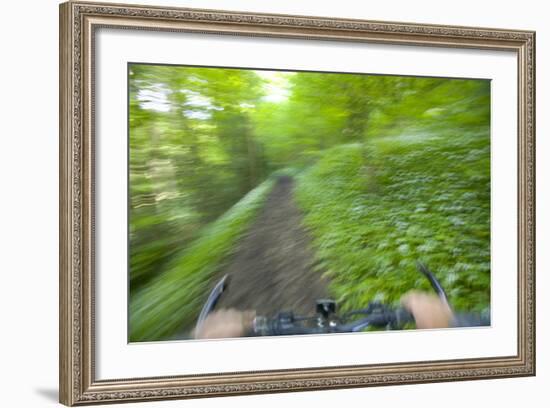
(225, 323)
(429, 311)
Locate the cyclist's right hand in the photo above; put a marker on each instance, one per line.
(429, 311)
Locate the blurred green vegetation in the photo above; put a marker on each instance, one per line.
(166, 305)
(394, 202)
(389, 170)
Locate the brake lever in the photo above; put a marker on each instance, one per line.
(434, 282)
(212, 300)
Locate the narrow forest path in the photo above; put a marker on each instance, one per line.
(272, 269)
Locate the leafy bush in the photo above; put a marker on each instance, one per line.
(375, 209)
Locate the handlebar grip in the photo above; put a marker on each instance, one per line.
(471, 319)
(403, 316)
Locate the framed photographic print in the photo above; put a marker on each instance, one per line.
(256, 203)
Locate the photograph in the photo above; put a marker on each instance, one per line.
(277, 202)
(260, 202)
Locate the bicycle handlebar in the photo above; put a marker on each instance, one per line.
(375, 315)
(285, 324)
(327, 321)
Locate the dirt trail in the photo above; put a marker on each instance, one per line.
(272, 268)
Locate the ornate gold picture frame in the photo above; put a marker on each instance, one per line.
(79, 22)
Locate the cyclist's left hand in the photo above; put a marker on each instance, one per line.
(225, 323)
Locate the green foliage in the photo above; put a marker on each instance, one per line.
(376, 209)
(172, 302)
(434, 103)
(192, 156)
